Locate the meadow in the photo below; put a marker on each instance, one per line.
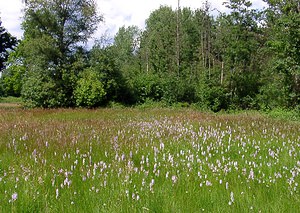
(147, 160)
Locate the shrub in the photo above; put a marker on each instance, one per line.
(212, 97)
(89, 91)
(41, 91)
(147, 88)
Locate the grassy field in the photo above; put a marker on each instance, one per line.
(154, 160)
(10, 102)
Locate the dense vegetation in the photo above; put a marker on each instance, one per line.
(245, 59)
(131, 160)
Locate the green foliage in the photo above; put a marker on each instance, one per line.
(66, 22)
(147, 87)
(284, 40)
(177, 89)
(273, 93)
(1, 89)
(40, 59)
(104, 62)
(245, 59)
(211, 97)
(53, 33)
(7, 43)
(11, 81)
(126, 45)
(89, 91)
(151, 87)
(41, 91)
(12, 77)
(241, 49)
(159, 42)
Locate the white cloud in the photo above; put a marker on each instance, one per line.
(134, 12)
(11, 16)
(116, 12)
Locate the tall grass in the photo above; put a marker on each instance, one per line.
(135, 160)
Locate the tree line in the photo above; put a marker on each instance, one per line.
(244, 59)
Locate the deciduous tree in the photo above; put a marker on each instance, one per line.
(53, 31)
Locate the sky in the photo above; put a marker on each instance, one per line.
(116, 13)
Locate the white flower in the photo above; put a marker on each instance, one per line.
(56, 193)
(208, 183)
(251, 175)
(174, 178)
(231, 199)
(14, 197)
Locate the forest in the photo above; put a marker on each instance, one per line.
(244, 59)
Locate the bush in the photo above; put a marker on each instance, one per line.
(147, 87)
(89, 91)
(212, 97)
(41, 91)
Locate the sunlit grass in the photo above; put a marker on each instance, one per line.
(15, 100)
(159, 160)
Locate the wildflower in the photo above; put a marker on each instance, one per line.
(231, 199)
(162, 146)
(67, 182)
(251, 175)
(14, 197)
(208, 183)
(174, 179)
(56, 193)
(151, 185)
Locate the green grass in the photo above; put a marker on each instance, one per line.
(10, 99)
(147, 160)
(10, 102)
(293, 115)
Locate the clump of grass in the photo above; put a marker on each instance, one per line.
(159, 160)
